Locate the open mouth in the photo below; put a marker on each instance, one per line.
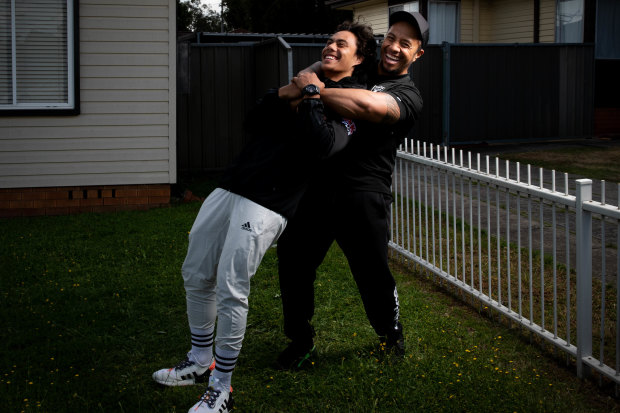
(330, 58)
(391, 59)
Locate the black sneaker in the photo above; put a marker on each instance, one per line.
(296, 356)
(392, 345)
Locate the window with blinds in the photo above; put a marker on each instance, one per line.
(37, 57)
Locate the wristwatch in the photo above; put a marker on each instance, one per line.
(310, 90)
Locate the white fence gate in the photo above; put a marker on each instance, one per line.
(542, 254)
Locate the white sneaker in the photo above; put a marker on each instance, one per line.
(216, 398)
(185, 373)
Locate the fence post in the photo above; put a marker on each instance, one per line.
(445, 127)
(584, 276)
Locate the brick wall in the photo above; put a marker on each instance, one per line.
(16, 202)
(607, 121)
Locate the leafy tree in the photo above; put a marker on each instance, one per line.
(282, 16)
(194, 17)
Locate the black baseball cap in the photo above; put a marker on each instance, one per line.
(415, 19)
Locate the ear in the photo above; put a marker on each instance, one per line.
(418, 54)
(358, 60)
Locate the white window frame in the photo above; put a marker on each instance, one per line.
(71, 105)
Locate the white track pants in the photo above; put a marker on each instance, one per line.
(226, 245)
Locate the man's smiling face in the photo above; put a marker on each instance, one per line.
(399, 49)
(339, 55)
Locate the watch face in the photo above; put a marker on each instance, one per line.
(311, 90)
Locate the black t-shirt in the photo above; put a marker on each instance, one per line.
(285, 149)
(367, 163)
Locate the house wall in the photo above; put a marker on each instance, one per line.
(374, 13)
(547, 21)
(125, 135)
(469, 20)
(507, 21)
(481, 21)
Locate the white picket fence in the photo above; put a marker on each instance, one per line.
(540, 253)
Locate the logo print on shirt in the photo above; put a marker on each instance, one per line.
(377, 88)
(246, 226)
(350, 125)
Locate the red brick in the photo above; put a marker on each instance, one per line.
(29, 196)
(92, 193)
(10, 213)
(126, 193)
(65, 203)
(57, 211)
(77, 194)
(21, 204)
(102, 208)
(81, 209)
(5, 204)
(33, 212)
(138, 201)
(159, 199)
(91, 202)
(10, 196)
(114, 201)
(44, 203)
(106, 193)
(57, 195)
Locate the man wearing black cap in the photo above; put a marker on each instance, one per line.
(350, 201)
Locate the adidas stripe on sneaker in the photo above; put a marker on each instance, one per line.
(185, 373)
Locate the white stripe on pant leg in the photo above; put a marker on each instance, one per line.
(252, 231)
(199, 269)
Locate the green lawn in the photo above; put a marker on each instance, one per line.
(595, 161)
(92, 304)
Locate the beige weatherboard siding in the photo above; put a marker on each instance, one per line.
(547, 21)
(507, 21)
(125, 133)
(373, 13)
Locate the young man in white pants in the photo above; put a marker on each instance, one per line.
(247, 213)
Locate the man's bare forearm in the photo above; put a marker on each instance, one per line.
(313, 68)
(358, 104)
(362, 104)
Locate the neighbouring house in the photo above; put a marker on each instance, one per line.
(521, 22)
(87, 105)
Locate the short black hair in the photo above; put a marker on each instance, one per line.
(366, 47)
